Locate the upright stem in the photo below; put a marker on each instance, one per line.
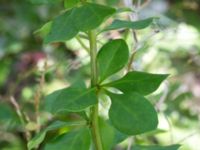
(94, 79)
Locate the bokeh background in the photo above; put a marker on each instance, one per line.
(29, 69)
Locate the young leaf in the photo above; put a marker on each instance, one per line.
(76, 140)
(132, 114)
(70, 99)
(34, 143)
(140, 82)
(136, 25)
(156, 147)
(84, 18)
(112, 57)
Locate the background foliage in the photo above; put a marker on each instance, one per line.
(30, 69)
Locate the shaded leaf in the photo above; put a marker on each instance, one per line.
(112, 57)
(84, 18)
(76, 140)
(140, 82)
(132, 114)
(109, 135)
(123, 24)
(70, 99)
(156, 147)
(34, 143)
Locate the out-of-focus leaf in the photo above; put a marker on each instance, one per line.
(45, 1)
(8, 117)
(156, 147)
(123, 24)
(75, 140)
(34, 143)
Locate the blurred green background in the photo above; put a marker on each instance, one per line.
(29, 69)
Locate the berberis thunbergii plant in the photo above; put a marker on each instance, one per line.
(130, 112)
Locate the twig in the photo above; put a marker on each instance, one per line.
(170, 128)
(130, 142)
(82, 44)
(163, 97)
(133, 17)
(21, 117)
(188, 136)
(38, 95)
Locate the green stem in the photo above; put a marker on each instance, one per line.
(82, 44)
(94, 79)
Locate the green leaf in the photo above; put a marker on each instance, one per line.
(70, 99)
(132, 114)
(140, 82)
(84, 18)
(76, 140)
(44, 30)
(45, 1)
(136, 25)
(156, 147)
(112, 57)
(109, 135)
(71, 3)
(34, 143)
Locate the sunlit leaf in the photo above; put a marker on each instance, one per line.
(71, 3)
(44, 30)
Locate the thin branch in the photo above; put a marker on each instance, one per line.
(37, 96)
(82, 44)
(21, 117)
(130, 142)
(163, 97)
